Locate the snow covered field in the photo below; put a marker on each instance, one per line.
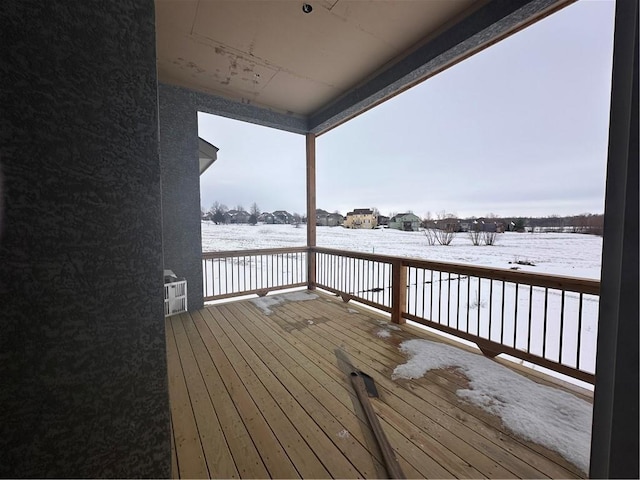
(567, 254)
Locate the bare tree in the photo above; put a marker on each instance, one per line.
(431, 237)
(254, 210)
(445, 235)
(475, 233)
(489, 238)
(445, 227)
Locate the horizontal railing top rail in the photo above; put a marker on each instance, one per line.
(575, 284)
(257, 251)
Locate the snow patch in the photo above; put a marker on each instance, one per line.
(265, 303)
(310, 322)
(550, 417)
(351, 310)
(383, 333)
(388, 325)
(343, 434)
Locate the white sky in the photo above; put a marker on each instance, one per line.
(519, 129)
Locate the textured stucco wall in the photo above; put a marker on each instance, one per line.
(181, 189)
(82, 350)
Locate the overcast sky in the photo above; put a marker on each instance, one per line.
(518, 129)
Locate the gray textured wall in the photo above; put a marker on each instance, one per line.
(181, 189)
(82, 349)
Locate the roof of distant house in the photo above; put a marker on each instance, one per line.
(361, 211)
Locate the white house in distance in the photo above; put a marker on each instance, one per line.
(361, 218)
(405, 221)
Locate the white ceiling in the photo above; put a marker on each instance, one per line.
(269, 53)
(268, 62)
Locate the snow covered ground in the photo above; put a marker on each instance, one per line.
(567, 254)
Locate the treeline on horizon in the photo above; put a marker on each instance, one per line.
(591, 223)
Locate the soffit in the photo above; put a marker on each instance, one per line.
(270, 54)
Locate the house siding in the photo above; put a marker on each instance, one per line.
(82, 350)
(407, 222)
(360, 218)
(180, 170)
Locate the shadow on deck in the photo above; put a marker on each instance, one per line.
(257, 395)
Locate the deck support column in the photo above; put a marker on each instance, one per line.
(614, 444)
(311, 210)
(398, 292)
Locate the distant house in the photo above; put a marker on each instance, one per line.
(361, 218)
(407, 222)
(335, 220)
(282, 216)
(266, 217)
(322, 217)
(487, 225)
(465, 225)
(382, 220)
(237, 216)
(326, 219)
(447, 224)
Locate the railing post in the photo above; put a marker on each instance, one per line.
(398, 291)
(311, 210)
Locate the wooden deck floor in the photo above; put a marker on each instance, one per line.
(255, 396)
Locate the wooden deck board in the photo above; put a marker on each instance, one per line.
(214, 446)
(301, 438)
(188, 445)
(444, 384)
(395, 395)
(238, 385)
(246, 457)
(256, 395)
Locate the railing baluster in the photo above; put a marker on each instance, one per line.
(544, 324)
(530, 316)
(490, 306)
(579, 332)
(448, 298)
(415, 296)
(502, 315)
(439, 296)
(479, 303)
(561, 326)
(515, 318)
(468, 303)
(219, 282)
(458, 303)
(431, 298)
(424, 287)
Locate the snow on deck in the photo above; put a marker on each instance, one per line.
(556, 419)
(265, 303)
